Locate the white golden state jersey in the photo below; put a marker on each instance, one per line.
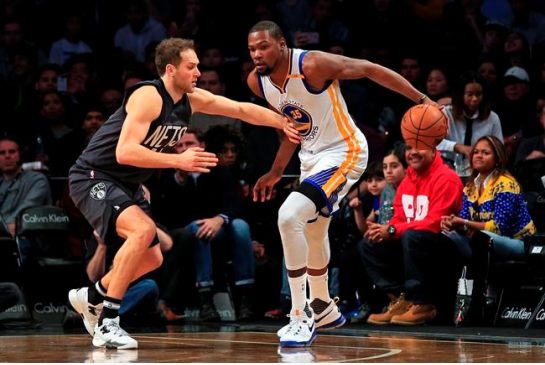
(333, 150)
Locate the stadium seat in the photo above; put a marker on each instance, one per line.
(44, 239)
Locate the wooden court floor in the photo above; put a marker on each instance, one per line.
(256, 347)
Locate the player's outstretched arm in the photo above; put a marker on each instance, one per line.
(205, 102)
(319, 67)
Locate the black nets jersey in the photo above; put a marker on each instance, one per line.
(163, 134)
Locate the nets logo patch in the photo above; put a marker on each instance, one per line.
(98, 191)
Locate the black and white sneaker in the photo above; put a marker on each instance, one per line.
(90, 313)
(112, 336)
(326, 314)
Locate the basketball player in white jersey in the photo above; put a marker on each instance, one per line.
(304, 86)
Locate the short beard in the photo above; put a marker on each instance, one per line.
(265, 72)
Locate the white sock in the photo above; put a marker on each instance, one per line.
(319, 287)
(298, 289)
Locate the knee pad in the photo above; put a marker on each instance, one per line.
(296, 211)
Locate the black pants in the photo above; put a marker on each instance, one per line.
(177, 283)
(422, 264)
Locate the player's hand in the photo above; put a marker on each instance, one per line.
(195, 159)
(209, 227)
(428, 100)
(291, 132)
(263, 188)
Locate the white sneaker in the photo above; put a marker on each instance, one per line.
(296, 354)
(330, 316)
(283, 330)
(112, 336)
(104, 355)
(79, 300)
(301, 331)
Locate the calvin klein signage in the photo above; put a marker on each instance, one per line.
(518, 305)
(49, 218)
(522, 314)
(540, 316)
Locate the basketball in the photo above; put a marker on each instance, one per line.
(424, 126)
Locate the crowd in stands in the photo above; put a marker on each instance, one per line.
(64, 66)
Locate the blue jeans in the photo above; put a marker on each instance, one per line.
(237, 234)
(504, 248)
(141, 296)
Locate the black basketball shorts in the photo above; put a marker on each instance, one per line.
(101, 201)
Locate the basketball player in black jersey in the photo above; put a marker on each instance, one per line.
(105, 182)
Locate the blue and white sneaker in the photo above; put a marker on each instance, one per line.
(78, 298)
(327, 315)
(300, 332)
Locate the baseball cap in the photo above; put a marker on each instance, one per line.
(517, 73)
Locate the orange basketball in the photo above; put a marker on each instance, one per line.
(424, 126)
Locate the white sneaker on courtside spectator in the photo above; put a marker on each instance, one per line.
(327, 315)
(301, 331)
(112, 336)
(79, 300)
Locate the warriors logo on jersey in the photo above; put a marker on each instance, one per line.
(302, 119)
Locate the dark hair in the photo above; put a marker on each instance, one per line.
(94, 107)
(135, 73)
(139, 4)
(47, 67)
(203, 47)
(374, 169)
(217, 70)
(271, 27)
(500, 154)
(458, 96)
(169, 51)
(446, 71)
(7, 137)
(85, 58)
(399, 152)
(217, 136)
(196, 132)
(410, 56)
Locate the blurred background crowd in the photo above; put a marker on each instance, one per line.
(64, 66)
